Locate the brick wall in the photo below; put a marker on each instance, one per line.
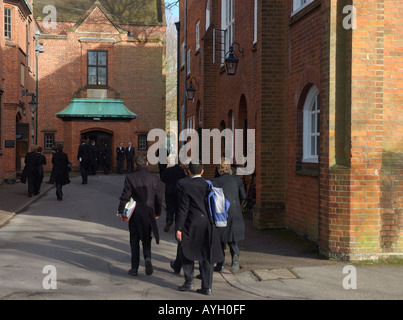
(350, 202)
(14, 107)
(135, 75)
(304, 48)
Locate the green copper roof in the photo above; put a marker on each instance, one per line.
(97, 108)
(140, 12)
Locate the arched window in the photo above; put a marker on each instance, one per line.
(311, 133)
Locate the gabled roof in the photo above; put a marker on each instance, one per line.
(106, 16)
(138, 12)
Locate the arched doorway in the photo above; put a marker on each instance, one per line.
(102, 140)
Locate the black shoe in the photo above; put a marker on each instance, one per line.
(167, 227)
(219, 268)
(207, 292)
(176, 270)
(198, 276)
(133, 272)
(187, 286)
(149, 267)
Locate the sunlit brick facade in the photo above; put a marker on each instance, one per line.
(319, 81)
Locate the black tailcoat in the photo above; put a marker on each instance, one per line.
(235, 194)
(200, 238)
(147, 190)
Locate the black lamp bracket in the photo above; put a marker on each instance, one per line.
(242, 51)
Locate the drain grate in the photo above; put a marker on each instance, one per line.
(273, 274)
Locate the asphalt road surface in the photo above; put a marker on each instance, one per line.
(78, 249)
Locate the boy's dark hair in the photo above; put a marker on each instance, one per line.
(140, 159)
(195, 168)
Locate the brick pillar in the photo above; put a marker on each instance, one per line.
(210, 91)
(270, 162)
(360, 202)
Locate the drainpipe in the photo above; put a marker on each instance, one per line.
(184, 109)
(178, 74)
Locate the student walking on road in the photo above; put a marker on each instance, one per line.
(195, 230)
(147, 190)
(60, 170)
(85, 156)
(234, 192)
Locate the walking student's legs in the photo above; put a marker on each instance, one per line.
(59, 192)
(188, 268)
(233, 248)
(31, 186)
(206, 271)
(134, 245)
(147, 242)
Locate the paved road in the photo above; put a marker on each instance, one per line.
(88, 247)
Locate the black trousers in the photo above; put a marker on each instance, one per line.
(120, 165)
(206, 271)
(84, 168)
(31, 185)
(135, 238)
(233, 248)
(59, 189)
(206, 267)
(130, 165)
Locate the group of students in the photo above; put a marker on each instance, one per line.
(33, 170)
(185, 198)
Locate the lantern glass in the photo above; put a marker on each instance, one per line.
(191, 91)
(231, 63)
(33, 104)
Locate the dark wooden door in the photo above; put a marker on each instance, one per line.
(101, 139)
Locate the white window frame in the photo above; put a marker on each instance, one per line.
(198, 35)
(183, 55)
(8, 23)
(310, 128)
(255, 10)
(228, 24)
(298, 5)
(22, 75)
(188, 62)
(208, 14)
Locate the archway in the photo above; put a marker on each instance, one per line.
(103, 140)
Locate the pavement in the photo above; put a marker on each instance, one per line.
(275, 264)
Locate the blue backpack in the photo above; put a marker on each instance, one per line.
(217, 205)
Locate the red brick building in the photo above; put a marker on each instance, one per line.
(101, 75)
(17, 73)
(319, 81)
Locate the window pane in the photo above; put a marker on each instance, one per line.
(313, 123)
(101, 76)
(317, 145)
(49, 141)
(92, 58)
(92, 75)
(313, 145)
(102, 58)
